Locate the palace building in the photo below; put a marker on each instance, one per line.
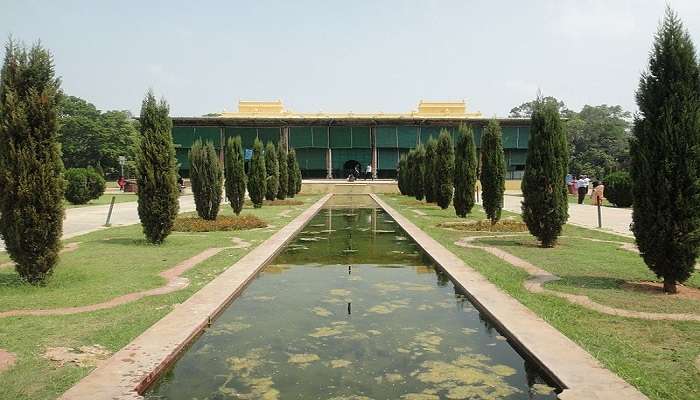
(329, 145)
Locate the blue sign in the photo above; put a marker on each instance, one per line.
(248, 154)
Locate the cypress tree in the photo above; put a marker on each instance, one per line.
(297, 172)
(291, 181)
(31, 182)
(273, 172)
(407, 173)
(545, 206)
(257, 175)
(206, 179)
(401, 174)
(465, 171)
(665, 152)
(444, 170)
(429, 170)
(234, 162)
(493, 171)
(418, 161)
(158, 189)
(283, 171)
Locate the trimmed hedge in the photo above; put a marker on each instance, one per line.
(83, 185)
(618, 189)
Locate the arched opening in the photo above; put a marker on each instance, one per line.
(352, 167)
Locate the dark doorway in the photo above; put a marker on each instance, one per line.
(352, 167)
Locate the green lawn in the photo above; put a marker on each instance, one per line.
(105, 199)
(655, 356)
(107, 264)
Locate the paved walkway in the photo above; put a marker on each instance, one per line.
(82, 220)
(617, 220)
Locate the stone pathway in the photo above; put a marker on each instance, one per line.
(538, 277)
(174, 283)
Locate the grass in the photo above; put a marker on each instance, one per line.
(105, 199)
(107, 264)
(655, 356)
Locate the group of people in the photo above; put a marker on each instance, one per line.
(580, 185)
(355, 174)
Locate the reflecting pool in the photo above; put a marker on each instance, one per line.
(351, 309)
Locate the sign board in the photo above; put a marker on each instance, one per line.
(248, 154)
(122, 160)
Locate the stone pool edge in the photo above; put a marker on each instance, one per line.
(580, 375)
(136, 366)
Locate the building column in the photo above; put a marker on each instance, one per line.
(284, 137)
(373, 142)
(329, 164)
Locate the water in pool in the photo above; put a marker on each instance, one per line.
(351, 310)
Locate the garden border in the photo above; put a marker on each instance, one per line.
(575, 370)
(135, 367)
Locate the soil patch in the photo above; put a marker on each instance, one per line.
(7, 360)
(68, 247)
(657, 288)
(85, 356)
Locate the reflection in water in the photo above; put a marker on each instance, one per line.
(352, 310)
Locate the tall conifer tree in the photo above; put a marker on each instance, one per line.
(291, 171)
(419, 168)
(257, 175)
(429, 170)
(283, 170)
(665, 153)
(401, 175)
(465, 171)
(31, 183)
(444, 170)
(493, 171)
(273, 171)
(235, 174)
(158, 190)
(206, 178)
(545, 204)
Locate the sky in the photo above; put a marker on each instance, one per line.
(345, 56)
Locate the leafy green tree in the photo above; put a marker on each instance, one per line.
(257, 175)
(493, 171)
(292, 176)
(444, 169)
(234, 162)
(429, 170)
(273, 172)
(283, 171)
(158, 189)
(206, 178)
(545, 205)
(31, 182)
(618, 189)
(666, 157)
(526, 109)
(465, 171)
(417, 174)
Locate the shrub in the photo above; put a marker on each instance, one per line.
(206, 179)
(272, 173)
(618, 189)
(31, 182)
(83, 185)
(506, 225)
(221, 223)
(444, 170)
(545, 203)
(465, 172)
(429, 170)
(401, 175)
(257, 175)
(493, 171)
(665, 150)
(234, 169)
(283, 171)
(157, 171)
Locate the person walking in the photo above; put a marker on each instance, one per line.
(368, 172)
(582, 187)
(598, 193)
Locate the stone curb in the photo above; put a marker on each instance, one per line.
(132, 369)
(576, 371)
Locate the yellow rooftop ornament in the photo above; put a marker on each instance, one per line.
(457, 108)
(260, 107)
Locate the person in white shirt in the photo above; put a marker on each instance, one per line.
(582, 187)
(368, 172)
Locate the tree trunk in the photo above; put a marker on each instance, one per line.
(670, 286)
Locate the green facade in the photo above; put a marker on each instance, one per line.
(315, 142)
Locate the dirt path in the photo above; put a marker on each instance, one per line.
(538, 277)
(174, 282)
(7, 360)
